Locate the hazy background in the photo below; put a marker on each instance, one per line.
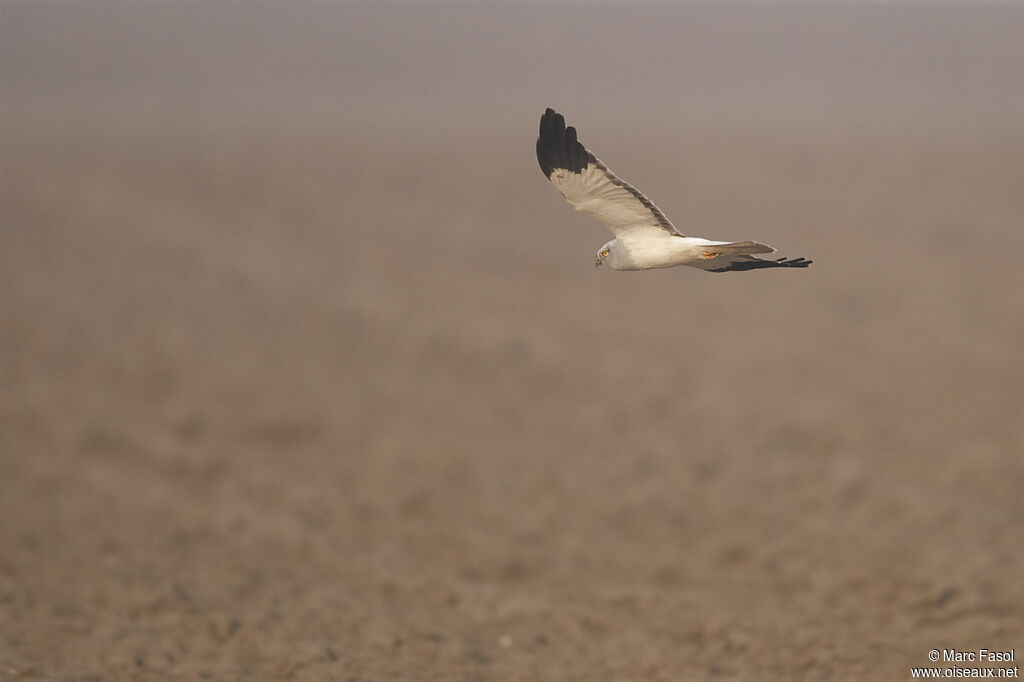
(307, 374)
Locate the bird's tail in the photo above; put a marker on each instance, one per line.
(738, 248)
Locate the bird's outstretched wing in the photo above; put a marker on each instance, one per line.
(736, 263)
(590, 187)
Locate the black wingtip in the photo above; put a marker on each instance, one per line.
(758, 264)
(558, 146)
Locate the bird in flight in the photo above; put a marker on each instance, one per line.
(644, 237)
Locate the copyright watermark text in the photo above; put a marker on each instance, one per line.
(979, 664)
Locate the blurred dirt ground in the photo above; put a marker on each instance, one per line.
(350, 402)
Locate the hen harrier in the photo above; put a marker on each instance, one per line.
(644, 237)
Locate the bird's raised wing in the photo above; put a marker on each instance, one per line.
(590, 187)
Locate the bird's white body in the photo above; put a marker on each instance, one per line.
(644, 236)
(649, 252)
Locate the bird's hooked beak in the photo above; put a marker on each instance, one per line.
(598, 262)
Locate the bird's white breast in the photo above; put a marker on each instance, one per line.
(655, 252)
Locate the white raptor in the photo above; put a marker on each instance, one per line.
(644, 237)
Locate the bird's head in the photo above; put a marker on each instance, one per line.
(604, 253)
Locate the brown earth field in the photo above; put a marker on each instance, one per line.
(300, 397)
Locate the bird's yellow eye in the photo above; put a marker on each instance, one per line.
(604, 254)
